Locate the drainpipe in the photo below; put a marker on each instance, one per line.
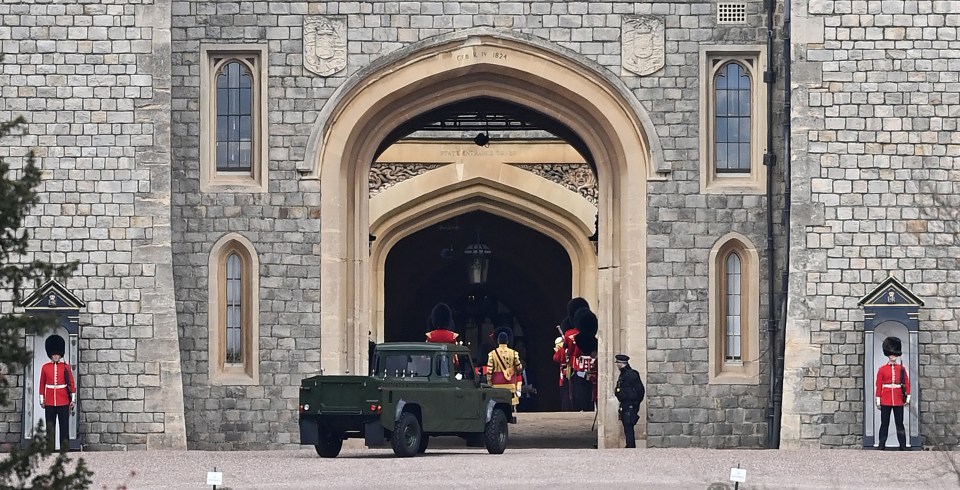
(785, 271)
(770, 160)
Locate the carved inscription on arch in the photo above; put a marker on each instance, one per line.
(485, 54)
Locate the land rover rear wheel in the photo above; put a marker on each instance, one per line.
(406, 436)
(495, 433)
(330, 444)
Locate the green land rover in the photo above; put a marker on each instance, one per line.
(415, 391)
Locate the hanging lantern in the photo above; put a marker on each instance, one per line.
(478, 262)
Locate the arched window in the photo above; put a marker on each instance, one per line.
(234, 117)
(233, 121)
(732, 309)
(732, 119)
(734, 306)
(733, 123)
(233, 312)
(233, 302)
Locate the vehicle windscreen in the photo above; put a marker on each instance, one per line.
(404, 366)
(464, 368)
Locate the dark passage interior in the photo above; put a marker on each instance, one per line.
(527, 287)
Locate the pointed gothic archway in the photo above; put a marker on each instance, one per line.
(578, 94)
(527, 285)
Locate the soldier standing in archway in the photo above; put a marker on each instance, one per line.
(504, 367)
(441, 325)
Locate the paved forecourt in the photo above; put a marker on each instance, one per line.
(523, 468)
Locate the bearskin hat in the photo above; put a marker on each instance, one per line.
(575, 304)
(441, 317)
(55, 345)
(892, 347)
(586, 322)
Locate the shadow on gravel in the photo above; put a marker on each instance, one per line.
(543, 430)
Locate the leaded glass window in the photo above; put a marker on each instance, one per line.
(234, 117)
(732, 308)
(732, 119)
(234, 304)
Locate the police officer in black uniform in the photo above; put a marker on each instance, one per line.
(630, 393)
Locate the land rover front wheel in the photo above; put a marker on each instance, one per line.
(495, 433)
(406, 436)
(330, 444)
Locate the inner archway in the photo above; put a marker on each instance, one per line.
(528, 285)
(593, 103)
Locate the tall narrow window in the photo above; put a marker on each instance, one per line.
(734, 305)
(732, 119)
(733, 309)
(234, 117)
(233, 127)
(234, 306)
(233, 312)
(733, 122)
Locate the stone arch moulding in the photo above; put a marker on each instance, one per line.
(522, 197)
(525, 71)
(416, 53)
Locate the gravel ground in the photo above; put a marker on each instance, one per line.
(547, 450)
(527, 468)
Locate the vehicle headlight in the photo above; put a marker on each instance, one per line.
(306, 407)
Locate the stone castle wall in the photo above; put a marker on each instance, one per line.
(92, 81)
(876, 159)
(282, 223)
(111, 96)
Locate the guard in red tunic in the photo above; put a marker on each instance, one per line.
(58, 393)
(441, 325)
(587, 324)
(892, 392)
(580, 388)
(560, 357)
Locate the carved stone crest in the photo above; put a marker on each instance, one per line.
(324, 44)
(642, 44)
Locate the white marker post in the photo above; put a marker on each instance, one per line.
(215, 478)
(737, 476)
